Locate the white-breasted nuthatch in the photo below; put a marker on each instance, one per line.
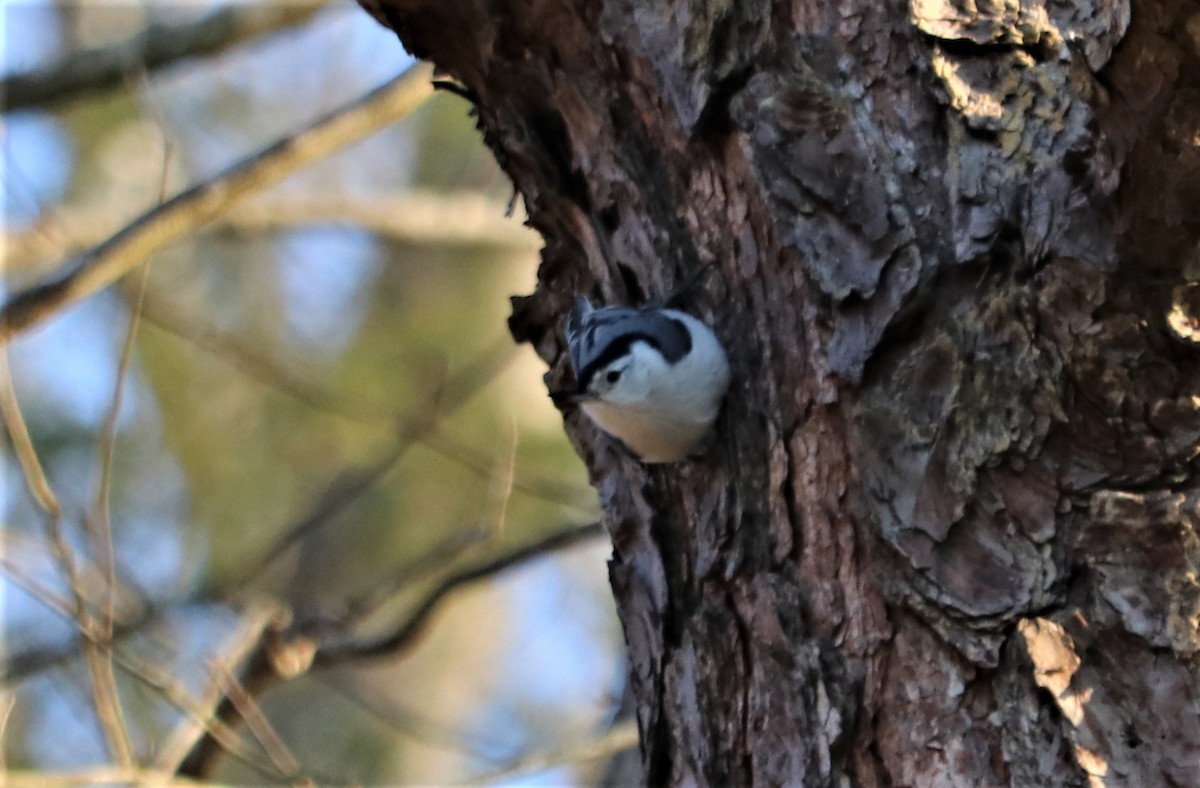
(652, 377)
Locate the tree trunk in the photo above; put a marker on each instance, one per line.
(947, 532)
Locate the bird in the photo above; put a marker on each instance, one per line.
(653, 377)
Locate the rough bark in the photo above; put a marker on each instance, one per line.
(948, 531)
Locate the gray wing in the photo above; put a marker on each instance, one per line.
(597, 336)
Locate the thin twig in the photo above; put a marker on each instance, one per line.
(622, 736)
(350, 485)
(260, 727)
(8, 700)
(407, 631)
(367, 603)
(29, 549)
(98, 775)
(417, 217)
(501, 488)
(104, 689)
(99, 523)
(152, 676)
(18, 432)
(99, 530)
(527, 482)
(108, 701)
(37, 589)
(194, 711)
(383, 708)
(25, 551)
(202, 203)
(156, 46)
(266, 369)
(345, 489)
(255, 619)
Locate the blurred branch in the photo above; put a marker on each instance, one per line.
(346, 488)
(27, 549)
(501, 487)
(351, 484)
(257, 616)
(98, 775)
(260, 727)
(18, 434)
(7, 701)
(196, 712)
(527, 482)
(426, 217)
(98, 525)
(441, 555)
(405, 633)
(406, 722)
(19, 552)
(156, 46)
(203, 203)
(266, 369)
(154, 677)
(419, 217)
(620, 737)
(310, 642)
(30, 662)
(104, 688)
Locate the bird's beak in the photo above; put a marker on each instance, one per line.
(565, 397)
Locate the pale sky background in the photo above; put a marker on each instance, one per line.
(560, 653)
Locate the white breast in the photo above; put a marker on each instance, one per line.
(654, 436)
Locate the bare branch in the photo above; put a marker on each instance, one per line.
(202, 203)
(99, 775)
(418, 217)
(28, 549)
(260, 727)
(436, 558)
(99, 531)
(158, 45)
(528, 482)
(405, 633)
(197, 713)
(403, 720)
(21, 551)
(151, 675)
(257, 616)
(622, 736)
(267, 369)
(7, 701)
(104, 688)
(501, 487)
(350, 485)
(107, 702)
(98, 525)
(18, 433)
(313, 644)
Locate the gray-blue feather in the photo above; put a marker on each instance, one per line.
(596, 337)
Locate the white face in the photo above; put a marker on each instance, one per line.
(626, 380)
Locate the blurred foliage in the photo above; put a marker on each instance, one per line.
(219, 456)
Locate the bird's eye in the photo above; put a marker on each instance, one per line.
(613, 377)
